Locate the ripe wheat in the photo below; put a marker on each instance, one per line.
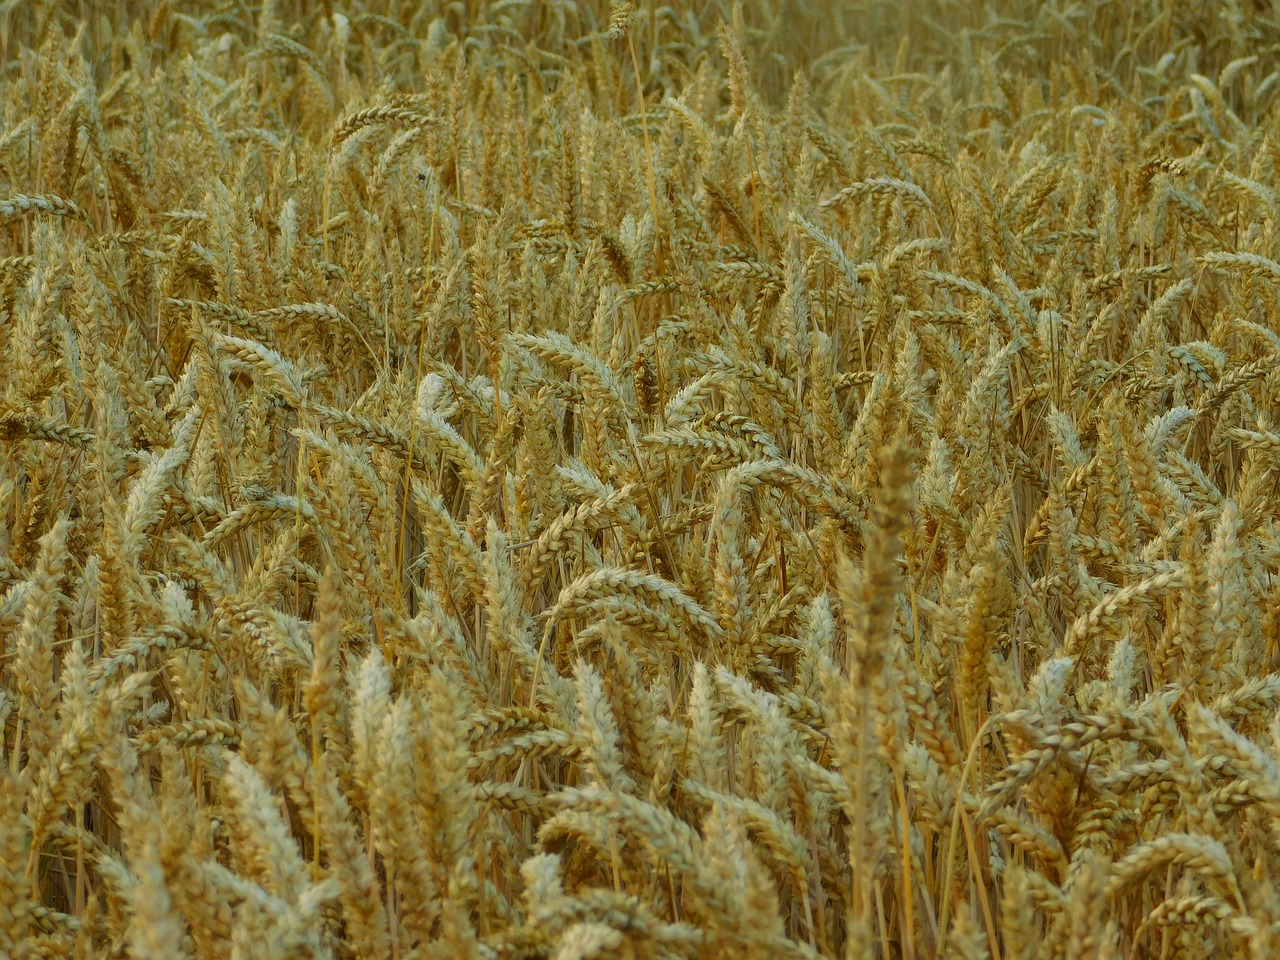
(569, 480)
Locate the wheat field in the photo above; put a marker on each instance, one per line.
(518, 480)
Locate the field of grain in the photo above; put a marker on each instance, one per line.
(558, 480)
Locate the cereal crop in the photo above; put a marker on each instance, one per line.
(550, 480)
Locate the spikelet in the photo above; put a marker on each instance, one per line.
(16, 905)
(35, 647)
